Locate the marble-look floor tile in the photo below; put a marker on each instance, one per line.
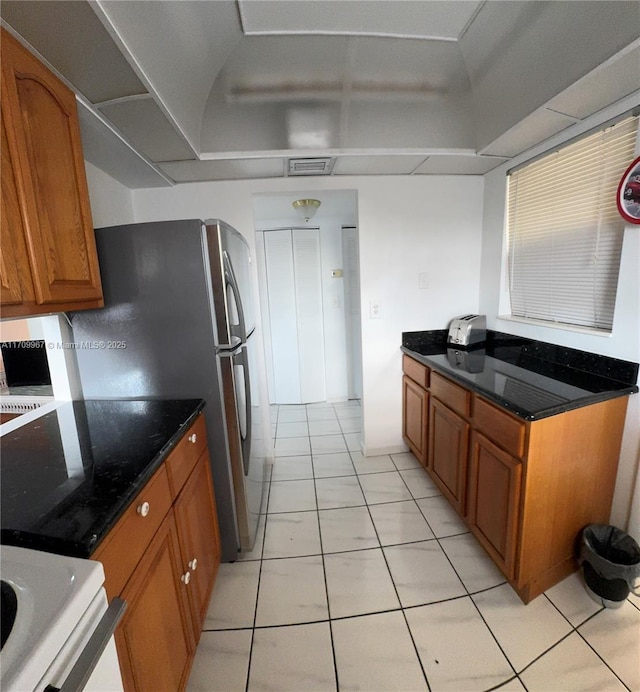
(347, 529)
(292, 468)
(292, 659)
(513, 685)
(350, 425)
(339, 492)
(405, 461)
(324, 427)
(384, 487)
(292, 446)
(419, 483)
(299, 429)
(321, 414)
(319, 405)
(456, 647)
(422, 574)
(570, 665)
(292, 496)
(359, 583)
(615, 636)
(377, 464)
(572, 600)
(354, 441)
(221, 662)
(332, 465)
(400, 522)
(442, 518)
(291, 591)
(375, 652)
(233, 602)
(344, 412)
(292, 534)
(291, 415)
(523, 631)
(474, 567)
(328, 444)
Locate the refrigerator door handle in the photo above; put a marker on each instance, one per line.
(238, 330)
(241, 360)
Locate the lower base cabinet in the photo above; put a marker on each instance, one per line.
(155, 638)
(162, 558)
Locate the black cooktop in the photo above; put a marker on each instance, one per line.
(68, 476)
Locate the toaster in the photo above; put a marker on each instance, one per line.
(467, 330)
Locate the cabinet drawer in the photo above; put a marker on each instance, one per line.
(183, 458)
(126, 542)
(416, 371)
(456, 398)
(499, 426)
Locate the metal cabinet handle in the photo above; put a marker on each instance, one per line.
(194, 564)
(88, 659)
(186, 578)
(143, 509)
(193, 437)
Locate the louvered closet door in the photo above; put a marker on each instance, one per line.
(292, 260)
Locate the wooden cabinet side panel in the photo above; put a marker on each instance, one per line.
(60, 238)
(154, 638)
(197, 523)
(569, 481)
(415, 417)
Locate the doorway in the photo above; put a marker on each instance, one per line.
(310, 297)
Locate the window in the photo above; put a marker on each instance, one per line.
(564, 230)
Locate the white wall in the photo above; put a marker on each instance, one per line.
(623, 343)
(111, 201)
(407, 225)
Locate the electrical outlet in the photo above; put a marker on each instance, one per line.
(374, 310)
(423, 280)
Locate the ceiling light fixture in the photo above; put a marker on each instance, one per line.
(306, 208)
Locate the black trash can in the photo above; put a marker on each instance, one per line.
(610, 561)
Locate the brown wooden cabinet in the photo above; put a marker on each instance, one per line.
(415, 418)
(162, 557)
(526, 489)
(493, 507)
(49, 259)
(448, 449)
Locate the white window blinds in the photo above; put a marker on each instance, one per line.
(564, 230)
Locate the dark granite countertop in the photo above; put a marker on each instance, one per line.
(68, 476)
(532, 379)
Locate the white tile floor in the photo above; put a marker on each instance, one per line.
(363, 578)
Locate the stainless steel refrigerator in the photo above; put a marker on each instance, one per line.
(178, 323)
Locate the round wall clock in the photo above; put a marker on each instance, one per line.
(628, 197)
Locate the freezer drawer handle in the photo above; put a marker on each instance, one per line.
(143, 509)
(83, 667)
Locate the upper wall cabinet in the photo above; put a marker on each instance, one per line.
(48, 253)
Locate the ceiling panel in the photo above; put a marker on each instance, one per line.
(376, 165)
(459, 165)
(104, 149)
(147, 128)
(235, 169)
(70, 36)
(532, 130)
(605, 85)
(383, 17)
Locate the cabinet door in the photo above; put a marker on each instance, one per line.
(494, 500)
(448, 447)
(197, 524)
(14, 265)
(415, 417)
(155, 637)
(53, 190)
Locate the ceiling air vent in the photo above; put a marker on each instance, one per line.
(314, 166)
